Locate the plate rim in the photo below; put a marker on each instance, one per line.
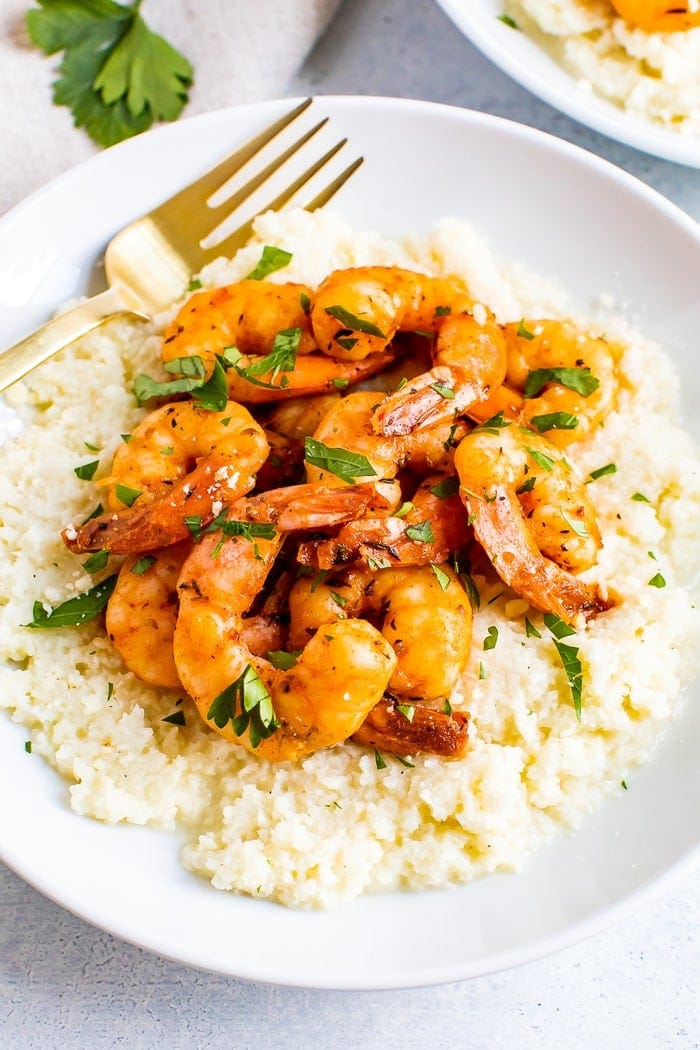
(601, 917)
(603, 116)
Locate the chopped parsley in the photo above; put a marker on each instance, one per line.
(444, 391)
(540, 459)
(423, 532)
(639, 497)
(338, 461)
(554, 421)
(657, 581)
(271, 260)
(177, 718)
(491, 639)
(522, 331)
(579, 379)
(407, 710)
(247, 705)
(441, 576)
(96, 562)
(609, 468)
(86, 471)
(445, 488)
(512, 24)
(353, 323)
(75, 611)
(379, 759)
(141, 567)
(126, 495)
(283, 660)
(530, 629)
(282, 358)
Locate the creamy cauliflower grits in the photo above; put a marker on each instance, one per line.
(653, 75)
(347, 820)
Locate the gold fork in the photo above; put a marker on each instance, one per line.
(150, 262)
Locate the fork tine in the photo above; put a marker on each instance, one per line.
(217, 214)
(332, 188)
(238, 237)
(203, 188)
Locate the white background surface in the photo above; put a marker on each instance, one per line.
(64, 984)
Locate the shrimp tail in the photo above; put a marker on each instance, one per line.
(434, 732)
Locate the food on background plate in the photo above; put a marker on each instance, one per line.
(642, 55)
(357, 638)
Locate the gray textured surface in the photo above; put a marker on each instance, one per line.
(65, 984)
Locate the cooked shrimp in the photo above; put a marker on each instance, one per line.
(248, 315)
(309, 506)
(532, 516)
(286, 425)
(142, 611)
(659, 16)
(425, 730)
(560, 380)
(277, 714)
(426, 619)
(312, 374)
(181, 463)
(348, 426)
(358, 311)
(432, 528)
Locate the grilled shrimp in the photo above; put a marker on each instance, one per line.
(182, 463)
(277, 714)
(432, 527)
(532, 516)
(560, 380)
(357, 312)
(425, 618)
(348, 426)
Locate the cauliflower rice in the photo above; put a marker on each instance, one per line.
(655, 76)
(335, 826)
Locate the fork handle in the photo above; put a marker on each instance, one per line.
(56, 334)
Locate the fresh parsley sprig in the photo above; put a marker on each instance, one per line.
(116, 76)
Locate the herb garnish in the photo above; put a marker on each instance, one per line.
(540, 459)
(345, 465)
(423, 532)
(141, 567)
(639, 497)
(492, 425)
(177, 718)
(579, 527)
(96, 561)
(512, 24)
(407, 710)
(657, 581)
(271, 259)
(247, 705)
(491, 638)
(354, 323)
(445, 488)
(554, 421)
(568, 654)
(282, 358)
(75, 611)
(444, 391)
(283, 660)
(441, 576)
(126, 495)
(379, 759)
(211, 393)
(116, 76)
(609, 468)
(523, 332)
(86, 471)
(579, 379)
(530, 629)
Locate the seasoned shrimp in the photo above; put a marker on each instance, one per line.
(248, 315)
(277, 714)
(286, 425)
(348, 426)
(659, 16)
(142, 611)
(432, 528)
(425, 730)
(532, 516)
(426, 619)
(358, 311)
(181, 463)
(312, 374)
(560, 380)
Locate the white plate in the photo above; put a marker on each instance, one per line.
(590, 226)
(523, 59)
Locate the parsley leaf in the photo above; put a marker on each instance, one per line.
(579, 379)
(116, 76)
(247, 704)
(75, 611)
(346, 465)
(353, 323)
(271, 259)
